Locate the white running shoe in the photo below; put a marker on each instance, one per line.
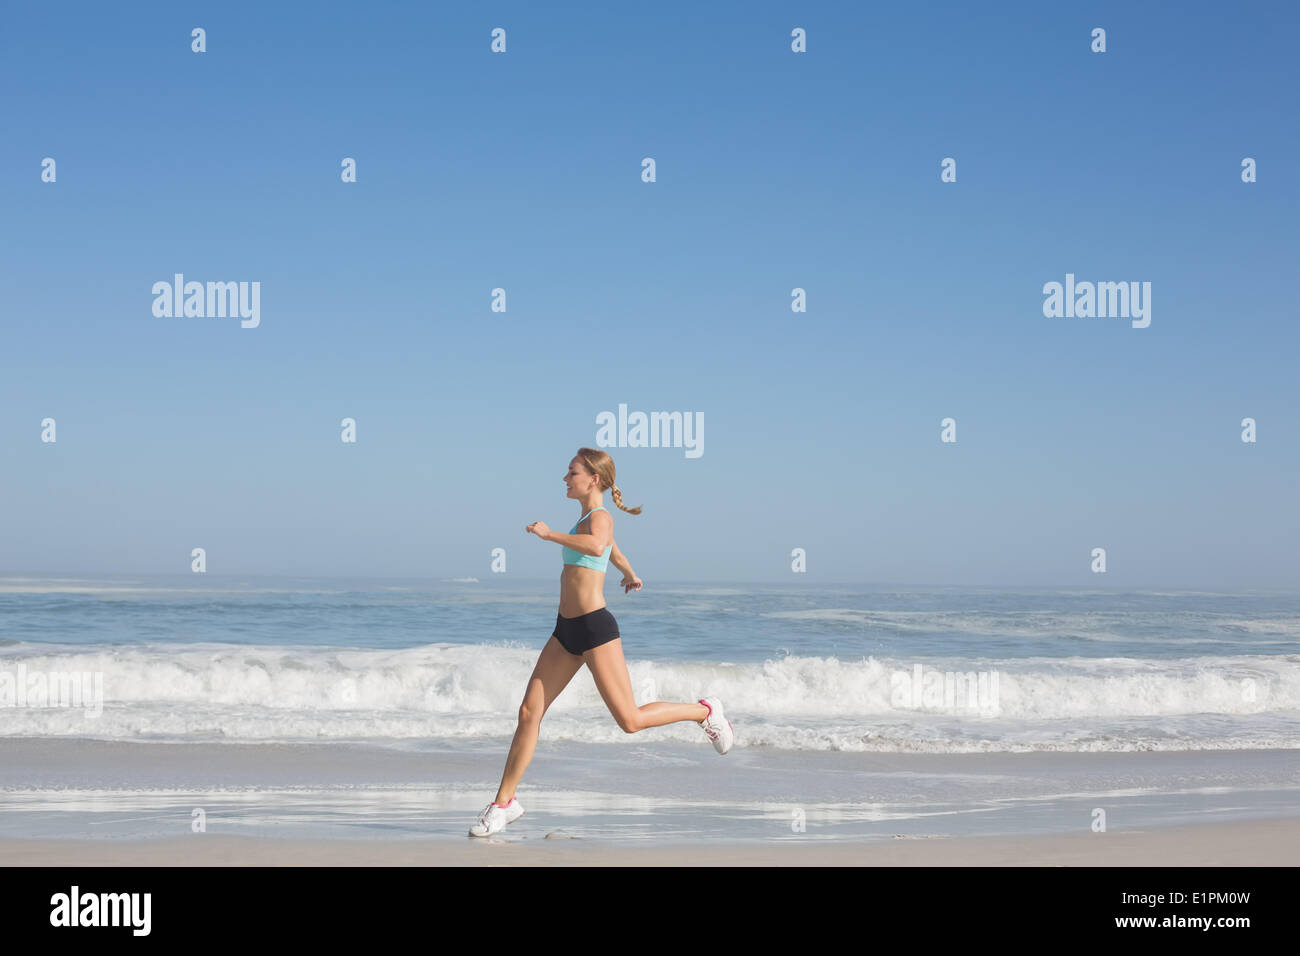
(494, 817)
(717, 726)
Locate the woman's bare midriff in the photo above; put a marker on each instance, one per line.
(582, 590)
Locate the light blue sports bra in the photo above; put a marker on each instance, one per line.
(587, 560)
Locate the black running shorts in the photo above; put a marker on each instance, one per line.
(578, 634)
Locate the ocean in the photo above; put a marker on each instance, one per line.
(799, 668)
(828, 688)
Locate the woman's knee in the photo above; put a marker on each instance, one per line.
(629, 721)
(530, 712)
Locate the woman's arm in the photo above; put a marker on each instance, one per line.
(593, 543)
(619, 560)
(630, 581)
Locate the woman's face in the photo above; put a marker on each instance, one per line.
(579, 480)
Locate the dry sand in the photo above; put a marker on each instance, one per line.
(1256, 843)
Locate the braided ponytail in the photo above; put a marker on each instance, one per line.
(602, 466)
(618, 500)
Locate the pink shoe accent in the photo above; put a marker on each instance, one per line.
(706, 704)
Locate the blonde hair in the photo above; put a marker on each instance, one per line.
(602, 466)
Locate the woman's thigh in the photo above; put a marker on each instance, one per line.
(609, 671)
(555, 668)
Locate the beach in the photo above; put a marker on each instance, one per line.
(114, 803)
(322, 722)
(1260, 843)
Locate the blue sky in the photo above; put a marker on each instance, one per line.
(775, 170)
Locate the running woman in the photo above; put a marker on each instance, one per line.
(585, 631)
